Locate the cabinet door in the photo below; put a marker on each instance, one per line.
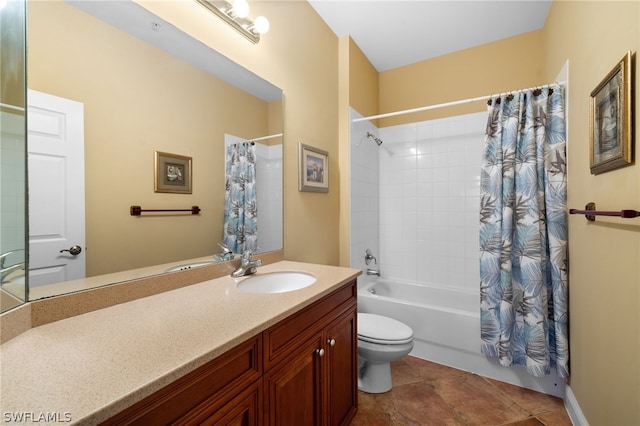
(294, 388)
(342, 363)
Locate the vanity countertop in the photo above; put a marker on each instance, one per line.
(87, 368)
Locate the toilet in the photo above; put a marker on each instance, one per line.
(381, 340)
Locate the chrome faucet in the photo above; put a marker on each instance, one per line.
(4, 272)
(9, 269)
(368, 257)
(4, 256)
(225, 255)
(247, 266)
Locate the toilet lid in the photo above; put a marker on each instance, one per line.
(378, 329)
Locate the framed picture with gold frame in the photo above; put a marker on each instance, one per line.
(314, 169)
(610, 119)
(172, 173)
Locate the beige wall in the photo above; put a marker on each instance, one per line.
(604, 255)
(137, 99)
(491, 68)
(344, 149)
(364, 82)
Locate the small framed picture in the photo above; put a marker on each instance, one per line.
(172, 173)
(611, 133)
(314, 169)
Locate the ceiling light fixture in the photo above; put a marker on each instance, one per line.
(236, 14)
(240, 8)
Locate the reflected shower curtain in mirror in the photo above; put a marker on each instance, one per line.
(240, 207)
(523, 232)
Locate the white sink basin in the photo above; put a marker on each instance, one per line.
(276, 282)
(188, 266)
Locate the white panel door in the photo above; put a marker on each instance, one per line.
(56, 188)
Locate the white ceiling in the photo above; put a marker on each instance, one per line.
(393, 33)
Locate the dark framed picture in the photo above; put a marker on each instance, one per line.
(172, 173)
(610, 120)
(314, 169)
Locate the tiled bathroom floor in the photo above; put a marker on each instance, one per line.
(425, 393)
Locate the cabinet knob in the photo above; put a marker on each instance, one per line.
(320, 352)
(331, 342)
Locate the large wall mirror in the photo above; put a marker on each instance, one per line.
(123, 86)
(12, 155)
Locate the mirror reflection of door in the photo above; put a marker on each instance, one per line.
(56, 189)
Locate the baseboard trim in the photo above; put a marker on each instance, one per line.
(573, 408)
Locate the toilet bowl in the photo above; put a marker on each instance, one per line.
(381, 340)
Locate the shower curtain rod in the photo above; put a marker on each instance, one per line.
(447, 104)
(277, 135)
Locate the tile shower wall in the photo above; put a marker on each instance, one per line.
(429, 201)
(364, 193)
(428, 184)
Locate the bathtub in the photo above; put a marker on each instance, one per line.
(446, 328)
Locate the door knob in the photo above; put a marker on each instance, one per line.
(320, 352)
(331, 342)
(74, 250)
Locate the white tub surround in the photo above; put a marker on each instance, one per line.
(91, 366)
(446, 328)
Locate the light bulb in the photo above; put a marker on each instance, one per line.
(241, 8)
(261, 25)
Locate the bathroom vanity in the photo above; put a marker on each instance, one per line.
(202, 354)
(301, 371)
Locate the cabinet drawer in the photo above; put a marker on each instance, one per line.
(245, 409)
(211, 385)
(282, 337)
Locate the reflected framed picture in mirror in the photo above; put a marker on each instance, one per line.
(314, 169)
(172, 173)
(610, 120)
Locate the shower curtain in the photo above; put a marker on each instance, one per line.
(240, 208)
(523, 232)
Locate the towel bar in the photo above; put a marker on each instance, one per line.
(590, 212)
(137, 210)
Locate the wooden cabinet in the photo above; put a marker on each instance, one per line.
(293, 388)
(301, 371)
(341, 376)
(311, 364)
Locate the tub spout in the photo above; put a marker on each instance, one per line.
(373, 272)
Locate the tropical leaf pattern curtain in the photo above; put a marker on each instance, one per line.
(523, 232)
(240, 207)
